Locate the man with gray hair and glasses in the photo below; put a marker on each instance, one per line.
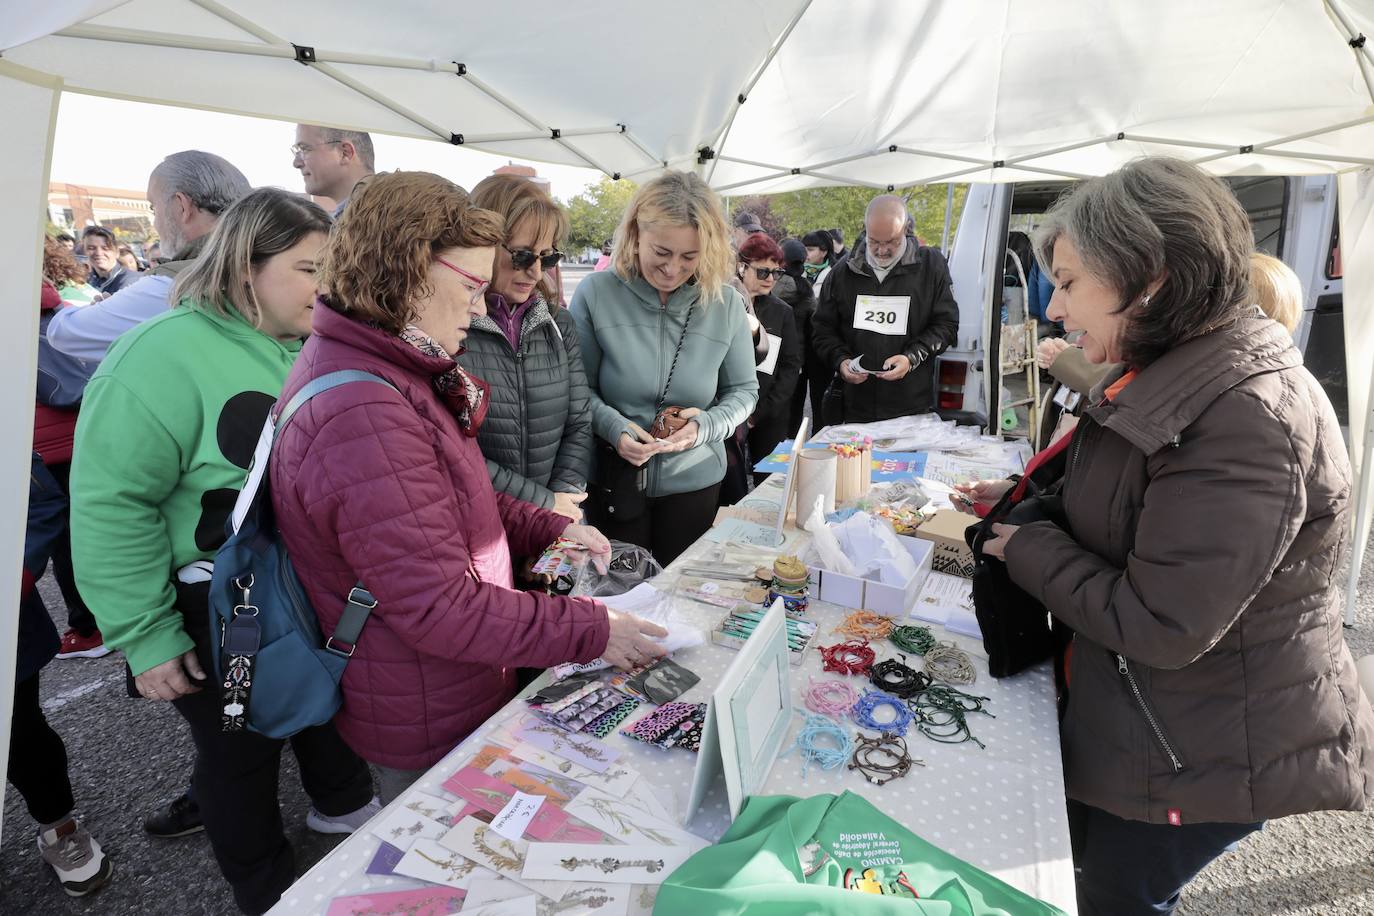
(188, 192)
(332, 161)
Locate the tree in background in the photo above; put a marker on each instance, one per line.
(800, 212)
(761, 205)
(594, 214)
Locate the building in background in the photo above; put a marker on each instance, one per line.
(525, 171)
(74, 207)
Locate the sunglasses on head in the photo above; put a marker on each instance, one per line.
(520, 258)
(763, 273)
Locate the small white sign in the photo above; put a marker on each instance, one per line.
(516, 816)
(882, 314)
(770, 362)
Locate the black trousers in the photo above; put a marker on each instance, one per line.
(79, 617)
(1131, 868)
(38, 758)
(236, 775)
(668, 525)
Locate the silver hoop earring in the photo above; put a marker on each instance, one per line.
(1145, 301)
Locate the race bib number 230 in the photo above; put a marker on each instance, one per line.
(882, 314)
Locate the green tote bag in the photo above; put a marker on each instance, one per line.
(839, 856)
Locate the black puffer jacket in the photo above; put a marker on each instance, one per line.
(537, 437)
(932, 326)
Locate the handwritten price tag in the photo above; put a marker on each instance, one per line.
(516, 816)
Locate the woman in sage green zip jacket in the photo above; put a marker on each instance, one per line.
(668, 284)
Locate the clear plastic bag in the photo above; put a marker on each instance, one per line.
(630, 565)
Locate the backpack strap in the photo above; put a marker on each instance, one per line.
(241, 634)
(360, 601)
(355, 614)
(322, 384)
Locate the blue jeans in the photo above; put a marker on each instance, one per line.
(1133, 868)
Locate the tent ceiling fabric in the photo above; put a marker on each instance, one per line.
(838, 92)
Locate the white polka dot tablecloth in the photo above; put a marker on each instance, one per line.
(999, 808)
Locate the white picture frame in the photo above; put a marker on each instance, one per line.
(753, 709)
(789, 482)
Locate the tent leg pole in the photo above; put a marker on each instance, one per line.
(1362, 481)
(28, 105)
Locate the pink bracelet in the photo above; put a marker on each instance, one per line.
(830, 698)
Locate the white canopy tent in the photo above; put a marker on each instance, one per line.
(761, 95)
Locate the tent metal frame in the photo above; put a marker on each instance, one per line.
(326, 63)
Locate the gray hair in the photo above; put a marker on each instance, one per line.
(1158, 217)
(362, 143)
(211, 182)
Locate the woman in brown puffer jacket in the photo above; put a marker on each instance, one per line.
(1206, 511)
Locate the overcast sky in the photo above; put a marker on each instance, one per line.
(115, 144)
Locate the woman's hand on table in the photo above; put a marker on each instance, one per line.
(637, 446)
(630, 644)
(686, 437)
(981, 492)
(997, 547)
(598, 548)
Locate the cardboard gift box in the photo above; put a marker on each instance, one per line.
(945, 529)
(870, 595)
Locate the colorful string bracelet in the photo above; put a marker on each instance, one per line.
(898, 679)
(868, 704)
(850, 657)
(865, 625)
(830, 698)
(883, 759)
(824, 742)
(913, 639)
(947, 662)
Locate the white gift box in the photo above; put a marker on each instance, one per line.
(868, 594)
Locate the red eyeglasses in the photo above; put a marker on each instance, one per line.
(482, 285)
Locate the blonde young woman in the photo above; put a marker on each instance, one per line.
(664, 335)
(166, 434)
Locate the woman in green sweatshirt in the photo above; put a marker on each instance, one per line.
(663, 329)
(167, 431)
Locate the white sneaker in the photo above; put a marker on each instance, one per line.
(81, 866)
(344, 823)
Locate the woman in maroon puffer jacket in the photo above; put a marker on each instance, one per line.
(388, 487)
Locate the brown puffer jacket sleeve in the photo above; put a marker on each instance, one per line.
(1220, 510)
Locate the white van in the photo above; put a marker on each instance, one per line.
(1294, 219)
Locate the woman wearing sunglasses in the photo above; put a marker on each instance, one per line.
(670, 362)
(760, 266)
(537, 437)
(384, 484)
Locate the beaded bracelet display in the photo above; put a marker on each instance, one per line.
(881, 772)
(830, 698)
(868, 704)
(815, 740)
(865, 625)
(851, 657)
(942, 696)
(897, 678)
(947, 662)
(913, 639)
(944, 725)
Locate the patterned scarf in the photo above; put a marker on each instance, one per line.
(465, 393)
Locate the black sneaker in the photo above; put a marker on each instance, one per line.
(180, 818)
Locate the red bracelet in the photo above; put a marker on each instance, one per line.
(851, 657)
